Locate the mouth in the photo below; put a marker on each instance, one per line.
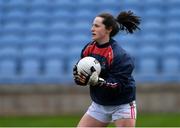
(93, 34)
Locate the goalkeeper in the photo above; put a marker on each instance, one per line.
(113, 91)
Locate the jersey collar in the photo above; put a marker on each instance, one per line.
(105, 45)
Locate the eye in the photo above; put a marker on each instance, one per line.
(96, 25)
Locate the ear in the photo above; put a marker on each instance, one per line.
(109, 30)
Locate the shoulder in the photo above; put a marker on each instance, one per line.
(86, 47)
(89, 44)
(117, 49)
(120, 53)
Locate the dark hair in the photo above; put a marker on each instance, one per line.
(125, 21)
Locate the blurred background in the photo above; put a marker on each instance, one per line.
(41, 40)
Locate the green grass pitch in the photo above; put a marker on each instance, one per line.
(143, 120)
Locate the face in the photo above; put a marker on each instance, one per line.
(99, 32)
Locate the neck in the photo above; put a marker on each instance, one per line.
(103, 41)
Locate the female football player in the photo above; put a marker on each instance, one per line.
(113, 91)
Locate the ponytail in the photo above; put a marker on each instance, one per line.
(128, 22)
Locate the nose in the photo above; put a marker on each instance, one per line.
(92, 29)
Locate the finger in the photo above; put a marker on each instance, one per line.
(74, 72)
(81, 78)
(75, 68)
(82, 81)
(84, 74)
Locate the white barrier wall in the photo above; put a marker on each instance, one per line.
(57, 99)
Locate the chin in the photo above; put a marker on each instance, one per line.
(93, 39)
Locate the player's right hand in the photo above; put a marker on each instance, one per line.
(80, 78)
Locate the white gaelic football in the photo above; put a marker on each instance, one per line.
(85, 64)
